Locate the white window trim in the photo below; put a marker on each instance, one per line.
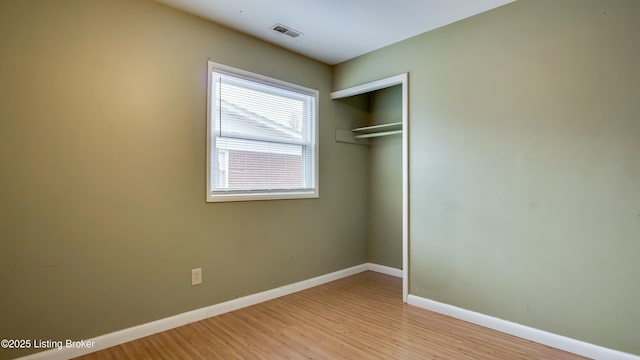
(264, 194)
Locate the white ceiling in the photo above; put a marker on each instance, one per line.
(335, 30)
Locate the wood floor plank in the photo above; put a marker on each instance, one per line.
(358, 317)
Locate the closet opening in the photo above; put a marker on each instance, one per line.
(383, 128)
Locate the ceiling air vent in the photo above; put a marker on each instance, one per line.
(286, 30)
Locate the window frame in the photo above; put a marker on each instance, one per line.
(258, 194)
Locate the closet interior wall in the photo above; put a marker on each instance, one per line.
(384, 171)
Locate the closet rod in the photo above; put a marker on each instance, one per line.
(384, 133)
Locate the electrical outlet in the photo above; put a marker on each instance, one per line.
(196, 276)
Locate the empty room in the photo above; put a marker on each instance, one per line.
(257, 179)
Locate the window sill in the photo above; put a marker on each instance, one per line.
(226, 197)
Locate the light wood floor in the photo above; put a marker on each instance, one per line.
(359, 317)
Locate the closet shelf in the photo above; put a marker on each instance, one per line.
(377, 130)
(359, 135)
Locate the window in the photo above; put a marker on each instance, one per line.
(262, 137)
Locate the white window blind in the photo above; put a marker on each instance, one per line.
(263, 137)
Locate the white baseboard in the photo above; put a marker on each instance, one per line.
(543, 337)
(384, 269)
(150, 328)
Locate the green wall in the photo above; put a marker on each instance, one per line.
(102, 160)
(525, 164)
